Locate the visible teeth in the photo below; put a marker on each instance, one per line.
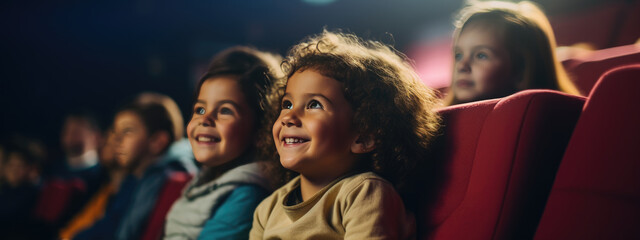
(204, 139)
(292, 140)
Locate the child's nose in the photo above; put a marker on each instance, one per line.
(207, 121)
(462, 65)
(118, 138)
(290, 119)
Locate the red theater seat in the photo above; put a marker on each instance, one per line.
(596, 194)
(169, 193)
(55, 198)
(587, 70)
(499, 158)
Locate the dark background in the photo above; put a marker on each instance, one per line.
(63, 55)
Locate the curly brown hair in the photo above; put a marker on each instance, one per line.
(390, 103)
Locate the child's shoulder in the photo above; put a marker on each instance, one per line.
(367, 182)
(371, 195)
(347, 187)
(363, 178)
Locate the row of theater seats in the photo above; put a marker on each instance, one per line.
(498, 160)
(540, 164)
(497, 163)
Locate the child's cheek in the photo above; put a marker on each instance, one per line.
(190, 128)
(239, 133)
(276, 131)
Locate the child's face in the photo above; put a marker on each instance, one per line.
(108, 150)
(221, 127)
(16, 170)
(77, 136)
(132, 139)
(313, 133)
(482, 66)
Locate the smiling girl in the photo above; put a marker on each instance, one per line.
(224, 134)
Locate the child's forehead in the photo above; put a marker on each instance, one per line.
(221, 85)
(128, 115)
(481, 33)
(484, 25)
(312, 78)
(311, 82)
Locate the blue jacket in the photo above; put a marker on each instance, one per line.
(127, 212)
(179, 157)
(219, 209)
(118, 204)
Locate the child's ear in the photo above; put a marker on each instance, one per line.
(158, 142)
(363, 144)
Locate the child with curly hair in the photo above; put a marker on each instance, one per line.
(355, 121)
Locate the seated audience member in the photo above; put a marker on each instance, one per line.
(80, 139)
(355, 122)
(150, 147)
(95, 208)
(226, 130)
(501, 48)
(19, 190)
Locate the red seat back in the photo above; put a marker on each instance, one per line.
(55, 198)
(587, 70)
(169, 194)
(596, 194)
(499, 160)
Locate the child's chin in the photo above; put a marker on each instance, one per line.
(212, 161)
(466, 98)
(289, 163)
(203, 157)
(122, 162)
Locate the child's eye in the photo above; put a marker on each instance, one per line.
(199, 111)
(457, 56)
(286, 104)
(314, 104)
(482, 56)
(226, 111)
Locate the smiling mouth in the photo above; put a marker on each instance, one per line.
(207, 139)
(293, 140)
